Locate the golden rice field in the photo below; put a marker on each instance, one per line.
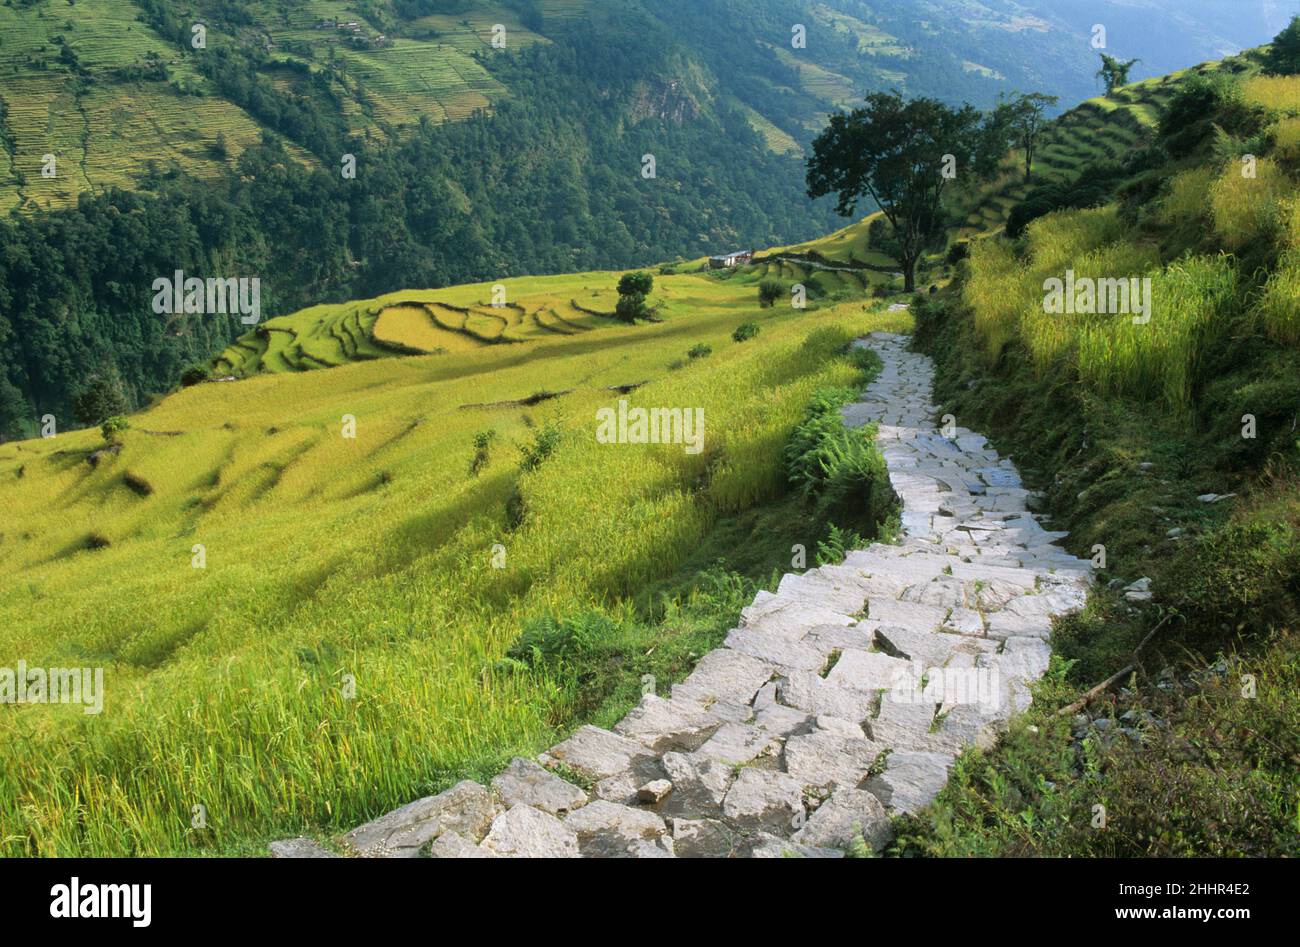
(332, 562)
(1277, 93)
(1192, 299)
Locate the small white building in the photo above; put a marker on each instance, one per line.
(727, 260)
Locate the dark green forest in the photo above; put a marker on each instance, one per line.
(551, 181)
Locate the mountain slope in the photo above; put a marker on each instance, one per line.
(472, 162)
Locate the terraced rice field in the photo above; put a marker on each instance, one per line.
(462, 318)
(828, 86)
(109, 132)
(366, 560)
(1104, 129)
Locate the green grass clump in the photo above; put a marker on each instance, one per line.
(1280, 305)
(1246, 210)
(840, 470)
(1192, 305)
(995, 295)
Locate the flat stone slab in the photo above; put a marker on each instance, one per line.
(849, 815)
(466, 808)
(705, 838)
(907, 614)
(911, 779)
(661, 724)
(699, 784)
(524, 782)
(776, 647)
(823, 759)
(597, 753)
(869, 671)
(927, 649)
(299, 848)
(525, 832)
(608, 830)
(455, 845)
(807, 691)
(773, 846)
(724, 675)
(765, 799)
(737, 743)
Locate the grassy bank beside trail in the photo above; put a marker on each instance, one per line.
(1166, 439)
(1146, 456)
(347, 644)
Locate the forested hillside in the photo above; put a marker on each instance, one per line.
(133, 150)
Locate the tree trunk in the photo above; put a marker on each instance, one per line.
(909, 275)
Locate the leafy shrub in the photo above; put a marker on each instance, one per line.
(545, 440)
(839, 470)
(549, 641)
(113, 427)
(699, 350)
(633, 288)
(1091, 189)
(745, 331)
(1283, 57)
(1242, 578)
(483, 441)
(102, 397)
(1201, 104)
(769, 291)
(195, 374)
(838, 544)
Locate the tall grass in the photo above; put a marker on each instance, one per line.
(1285, 133)
(1056, 240)
(1049, 336)
(1163, 359)
(1185, 208)
(994, 293)
(1275, 93)
(1279, 307)
(1245, 210)
(336, 657)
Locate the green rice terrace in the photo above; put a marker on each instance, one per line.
(372, 549)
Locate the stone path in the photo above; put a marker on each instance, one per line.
(841, 699)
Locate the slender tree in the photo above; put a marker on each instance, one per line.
(1024, 116)
(1114, 73)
